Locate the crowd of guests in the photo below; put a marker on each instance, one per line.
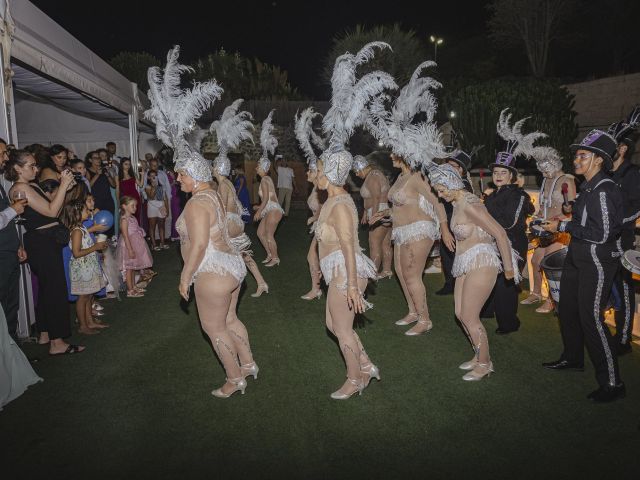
(52, 217)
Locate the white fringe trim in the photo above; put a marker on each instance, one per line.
(478, 256)
(415, 232)
(333, 266)
(271, 206)
(222, 263)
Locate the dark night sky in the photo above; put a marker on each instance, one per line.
(296, 35)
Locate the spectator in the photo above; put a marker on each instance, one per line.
(132, 253)
(85, 274)
(44, 240)
(174, 205)
(79, 170)
(240, 184)
(101, 182)
(57, 162)
(11, 252)
(163, 180)
(157, 209)
(128, 184)
(286, 185)
(111, 153)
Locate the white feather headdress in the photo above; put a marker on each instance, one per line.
(268, 142)
(175, 110)
(231, 129)
(349, 101)
(517, 143)
(307, 137)
(418, 144)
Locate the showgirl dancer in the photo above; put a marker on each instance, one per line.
(555, 185)
(419, 219)
(344, 267)
(269, 212)
(211, 262)
(232, 128)
(477, 262)
(374, 194)
(307, 138)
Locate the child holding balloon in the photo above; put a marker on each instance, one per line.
(132, 252)
(85, 273)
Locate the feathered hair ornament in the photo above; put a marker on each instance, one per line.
(268, 142)
(231, 129)
(625, 132)
(517, 143)
(349, 101)
(360, 163)
(418, 144)
(307, 137)
(175, 110)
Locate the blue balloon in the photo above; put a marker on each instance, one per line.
(103, 218)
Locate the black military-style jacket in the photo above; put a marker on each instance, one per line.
(627, 176)
(510, 206)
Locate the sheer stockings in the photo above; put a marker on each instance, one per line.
(215, 296)
(339, 321)
(470, 294)
(252, 266)
(266, 233)
(380, 249)
(410, 260)
(536, 260)
(314, 268)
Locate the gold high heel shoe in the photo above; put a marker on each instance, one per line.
(408, 320)
(240, 385)
(250, 370)
(274, 262)
(384, 275)
(421, 321)
(266, 260)
(373, 372)
(312, 295)
(262, 288)
(480, 371)
(470, 365)
(531, 299)
(338, 395)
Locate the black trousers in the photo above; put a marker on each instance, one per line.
(503, 302)
(587, 277)
(624, 284)
(45, 258)
(10, 289)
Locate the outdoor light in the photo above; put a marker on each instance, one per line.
(381, 143)
(452, 114)
(436, 41)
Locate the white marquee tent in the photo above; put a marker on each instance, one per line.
(56, 90)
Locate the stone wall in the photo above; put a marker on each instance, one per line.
(599, 103)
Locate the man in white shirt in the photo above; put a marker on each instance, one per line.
(286, 185)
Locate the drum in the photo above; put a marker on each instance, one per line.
(631, 261)
(552, 267)
(539, 235)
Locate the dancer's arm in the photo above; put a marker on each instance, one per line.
(478, 214)
(424, 188)
(342, 222)
(264, 189)
(197, 219)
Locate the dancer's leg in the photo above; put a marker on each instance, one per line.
(339, 320)
(412, 315)
(262, 236)
(238, 331)
(376, 237)
(471, 295)
(272, 220)
(213, 298)
(387, 250)
(314, 269)
(252, 266)
(413, 257)
(536, 281)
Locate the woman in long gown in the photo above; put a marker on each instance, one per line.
(269, 212)
(129, 185)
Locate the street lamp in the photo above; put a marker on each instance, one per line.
(452, 114)
(436, 41)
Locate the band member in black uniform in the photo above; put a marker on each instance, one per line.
(510, 206)
(627, 176)
(461, 161)
(590, 266)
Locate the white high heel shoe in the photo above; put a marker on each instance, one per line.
(480, 371)
(250, 370)
(373, 372)
(408, 320)
(266, 260)
(240, 385)
(312, 295)
(273, 263)
(262, 288)
(470, 365)
(421, 321)
(338, 395)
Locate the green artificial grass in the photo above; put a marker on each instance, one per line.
(137, 403)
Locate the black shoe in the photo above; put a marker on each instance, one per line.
(624, 348)
(608, 394)
(500, 331)
(446, 290)
(563, 365)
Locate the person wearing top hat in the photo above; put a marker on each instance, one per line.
(461, 161)
(590, 266)
(627, 176)
(510, 206)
